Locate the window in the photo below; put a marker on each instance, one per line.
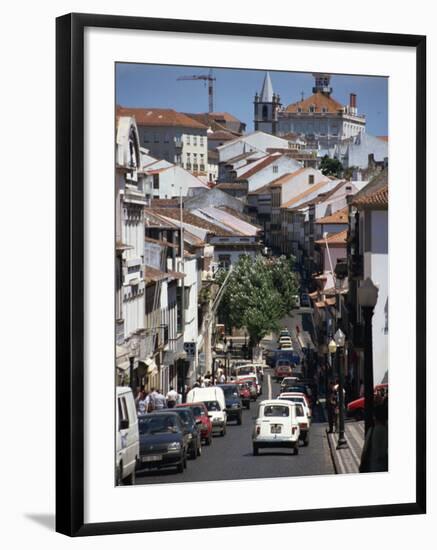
(299, 109)
(155, 181)
(312, 109)
(146, 138)
(224, 260)
(194, 140)
(201, 141)
(265, 112)
(156, 137)
(324, 110)
(275, 169)
(188, 140)
(166, 138)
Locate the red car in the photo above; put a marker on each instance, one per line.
(245, 394)
(282, 369)
(200, 413)
(356, 408)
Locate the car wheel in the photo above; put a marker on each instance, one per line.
(222, 433)
(185, 460)
(118, 475)
(296, 449)
(208, 440)
(130, 480)
(180, 467)
(193, 453)
(199, 449)
(306, 441)
(255, 451)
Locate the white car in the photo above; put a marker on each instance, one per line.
(127, 441)
(276, 426)
(304, 422)
(214, 399)
(284, 340)
(297, 397)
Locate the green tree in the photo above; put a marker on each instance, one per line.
(258, 294)
(331, 167)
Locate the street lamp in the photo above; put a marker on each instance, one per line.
(340, 341)
(367, 298)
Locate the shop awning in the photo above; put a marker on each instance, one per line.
(152, 367)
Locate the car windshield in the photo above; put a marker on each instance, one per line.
(185, 416)
(198, 410)
(244, 370)
(212, 405)
(295, 389)
(149, 425)
(276, 410)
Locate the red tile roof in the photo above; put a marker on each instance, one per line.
(334, 238)
(222, 135)
(192, 219)
(341, 216)
(377, 199)
(287, 177)
(159, 117)
(314, 187)
(383, 138)
(319, 101)
(263, 164)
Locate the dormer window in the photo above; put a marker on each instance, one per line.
(311, 179)
(299, 109)
(324, 110)
(312, 109)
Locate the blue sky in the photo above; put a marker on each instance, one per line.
(142, 85)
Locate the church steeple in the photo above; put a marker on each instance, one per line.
(266, 106)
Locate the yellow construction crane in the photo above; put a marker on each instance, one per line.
(207, 78)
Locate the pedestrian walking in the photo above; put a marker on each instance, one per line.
(160, 401)
(172, 397)
(141, 402)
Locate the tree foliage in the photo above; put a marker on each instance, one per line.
(259, 292)
(331, 167)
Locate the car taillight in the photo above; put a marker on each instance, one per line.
(303, 425)
(258, 430)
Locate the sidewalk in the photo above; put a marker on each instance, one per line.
(347, 460)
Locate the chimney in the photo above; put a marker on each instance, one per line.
(353, 103)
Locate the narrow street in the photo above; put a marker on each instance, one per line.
(230, 457)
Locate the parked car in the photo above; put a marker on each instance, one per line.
(214, 400)
(163, 441)
(190, 426)
(303, 419)
(127, 437)
(283, 368)
(245, 370)
(234, 406)
(355, 408)
(200, 412)
(245, 394)
(276, 426)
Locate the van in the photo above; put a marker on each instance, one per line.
(214, 399)
(127, 445)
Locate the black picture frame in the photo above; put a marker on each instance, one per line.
(70, 273)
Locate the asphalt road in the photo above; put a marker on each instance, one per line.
(230, 457)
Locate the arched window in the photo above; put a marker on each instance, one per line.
(265, 114)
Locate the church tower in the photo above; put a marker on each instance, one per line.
(266, 107)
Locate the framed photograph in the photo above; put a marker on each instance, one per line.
(225, 257)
